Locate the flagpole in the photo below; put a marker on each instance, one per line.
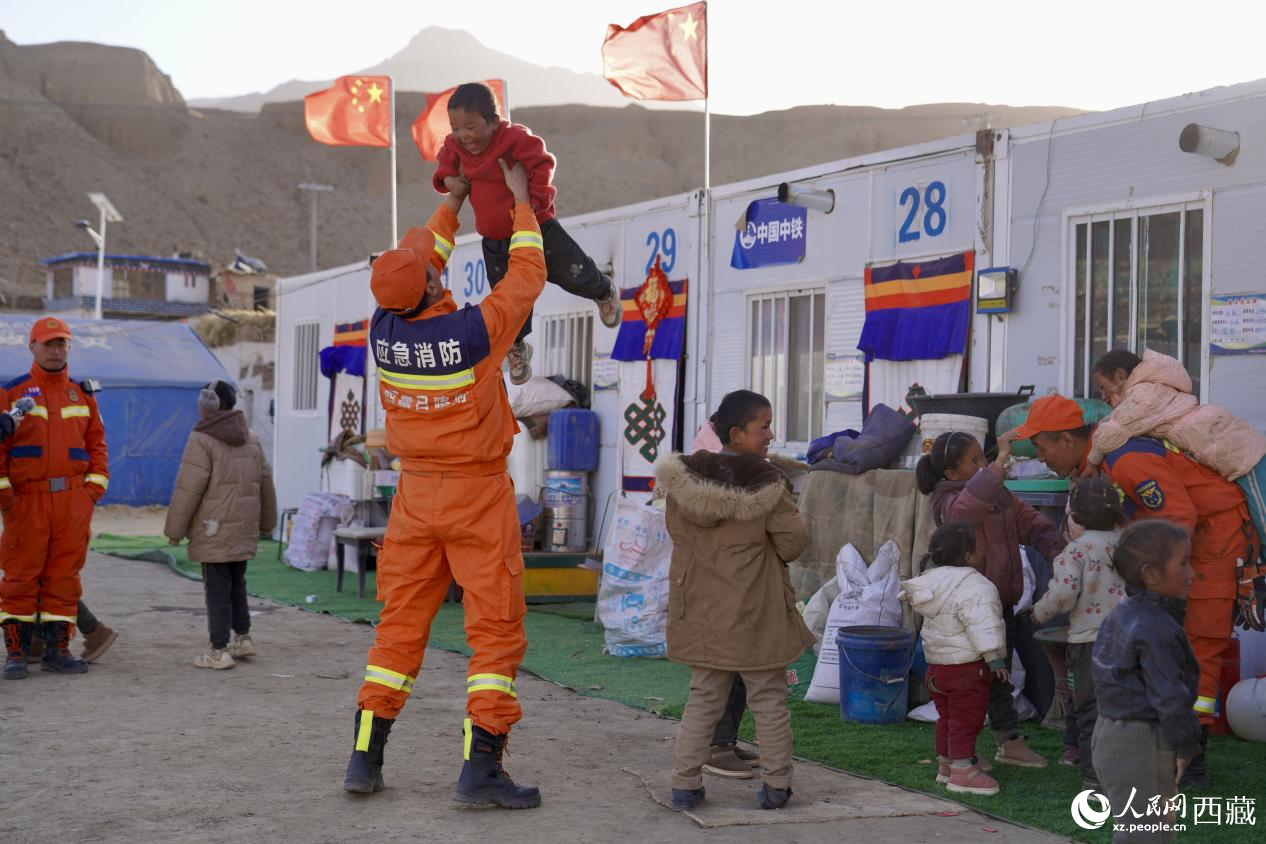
(391, 83)
(707, 145)
(707, 120)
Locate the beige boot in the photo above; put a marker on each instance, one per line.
(215, 658)
(1016, 752)
(97, 642)
(241, 646)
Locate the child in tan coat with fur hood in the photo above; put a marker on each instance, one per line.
(731, 607)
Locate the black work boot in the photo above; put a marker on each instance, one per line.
(57, 655)
(364, 769)
(1197, 773)
(17, 640)
(484, 781)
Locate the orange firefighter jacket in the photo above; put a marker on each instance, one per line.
(439, 372)
(61, 440)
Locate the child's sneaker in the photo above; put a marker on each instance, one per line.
(611, 308)
(520, 360)
(724, 762)
(971, 780)
(1071, 757)
(685, 799)
(943, 767)
(241, 646)
(216, 658)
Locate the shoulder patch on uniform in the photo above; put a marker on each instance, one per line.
(1150, 494)
(16, 381)
(1136, 445)
(90, 385)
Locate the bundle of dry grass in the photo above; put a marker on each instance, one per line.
(226, 327)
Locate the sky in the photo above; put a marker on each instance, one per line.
(763, 55)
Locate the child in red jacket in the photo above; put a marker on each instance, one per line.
(469, 156)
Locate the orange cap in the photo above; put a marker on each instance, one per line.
(398, 279)
(1051, 414)
(49, 328)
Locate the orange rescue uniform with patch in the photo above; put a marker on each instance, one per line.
(52, 471)
(1160, 482)
(454, 514)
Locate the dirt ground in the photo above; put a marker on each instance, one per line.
(121, 520)
(147, 748)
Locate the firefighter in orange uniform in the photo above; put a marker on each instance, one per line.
(1158, 482)
(52, 472)
(454, 515)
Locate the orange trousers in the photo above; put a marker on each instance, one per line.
(1217, 546)
(42, 551)
(444, 526)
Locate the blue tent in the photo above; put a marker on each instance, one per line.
(150, 374)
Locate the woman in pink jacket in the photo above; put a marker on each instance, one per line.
(1151, 397)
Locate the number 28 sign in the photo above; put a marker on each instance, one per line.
(921, 212)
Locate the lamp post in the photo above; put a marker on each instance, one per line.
(109, 214)
(313, 190)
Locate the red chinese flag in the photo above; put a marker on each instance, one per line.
(432, 126)
(354, 112)
(660, 57)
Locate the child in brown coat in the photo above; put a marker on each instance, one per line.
(731, 607)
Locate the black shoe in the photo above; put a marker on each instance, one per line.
(364, 770)
(57, 655)
(685, 799)
(1197, 773)
(483, 781)
(772, 798)
(17, 640)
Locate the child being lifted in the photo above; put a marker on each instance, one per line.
(469, 156)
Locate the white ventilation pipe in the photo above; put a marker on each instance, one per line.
(807, 197)
(1218, 144)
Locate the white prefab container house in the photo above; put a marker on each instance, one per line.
(1119, 238)
(787, 331)
(308, 308)
(1122, 238)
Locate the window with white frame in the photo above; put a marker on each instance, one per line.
(1139, 282)
(564, 346)
(307, 365)
(786, 338)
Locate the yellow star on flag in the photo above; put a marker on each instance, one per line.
(688, 28)
(375, 93)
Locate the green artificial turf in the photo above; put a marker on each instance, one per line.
(566, 647)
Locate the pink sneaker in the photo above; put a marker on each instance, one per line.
(942, 769)
(1071, 757)
(971, 780)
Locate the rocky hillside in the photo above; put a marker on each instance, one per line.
(83, 117)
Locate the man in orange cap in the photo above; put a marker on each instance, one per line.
(454, 515)
(52, 472)
(1160, 482)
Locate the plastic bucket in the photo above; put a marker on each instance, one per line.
(572, 440)
(874, 673)
(932, 425)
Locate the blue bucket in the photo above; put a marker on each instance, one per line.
(874, 673)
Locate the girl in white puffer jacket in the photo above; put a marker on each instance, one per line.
(964, 641)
